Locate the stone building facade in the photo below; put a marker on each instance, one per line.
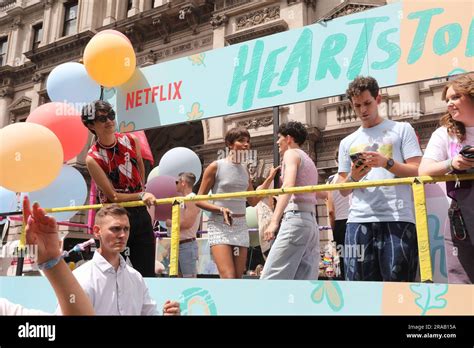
(37, 35)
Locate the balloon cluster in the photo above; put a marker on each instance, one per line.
(33, 153)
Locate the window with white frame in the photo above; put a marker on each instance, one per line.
(70, 18)
(37, 35)
(3, 50)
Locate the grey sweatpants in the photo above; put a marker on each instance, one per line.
(295, 252)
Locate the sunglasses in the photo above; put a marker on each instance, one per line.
(103, 118)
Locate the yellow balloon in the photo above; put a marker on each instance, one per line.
(31, 157)
(109, 59)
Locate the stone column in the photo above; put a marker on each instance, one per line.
(47, 23)
(110, 12)
(410, 101)
(215, 126)
(85, 15)
(13, 56)
(6, 95)
(37, 87)
(145, 5)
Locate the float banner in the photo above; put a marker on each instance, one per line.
(399, 43)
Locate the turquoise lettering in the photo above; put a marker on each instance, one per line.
(418, 44)
(470, 40)
(365, 37)
(393, 50)
(440, 45)
(332, 46)
(300, 58)
(269, 75)
(251, 77)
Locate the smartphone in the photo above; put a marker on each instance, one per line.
(228, 219)
(356, 158)
(468, 152)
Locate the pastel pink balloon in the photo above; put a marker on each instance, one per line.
(65, 122)
(163, 186)
(114, 32)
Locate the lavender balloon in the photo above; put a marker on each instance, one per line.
(162, 186)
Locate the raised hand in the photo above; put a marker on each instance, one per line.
(41, 230)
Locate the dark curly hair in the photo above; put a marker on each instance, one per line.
(361, 84)
(294, 129)
(464, 85)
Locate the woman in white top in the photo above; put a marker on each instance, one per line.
(443, 155)
(227, 227)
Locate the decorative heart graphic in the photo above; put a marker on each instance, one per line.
(125, 142)
(124, 128)
(103, 155)
(126, 169)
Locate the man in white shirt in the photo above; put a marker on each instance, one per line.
(42, 230)
(114, 287)
(190, 220)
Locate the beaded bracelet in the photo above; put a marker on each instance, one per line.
(50, 263)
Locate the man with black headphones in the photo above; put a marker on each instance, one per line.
(116, 165)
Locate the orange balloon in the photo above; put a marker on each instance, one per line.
(109, 59)
(31, 157)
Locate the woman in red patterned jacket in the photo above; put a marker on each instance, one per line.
(116, 165)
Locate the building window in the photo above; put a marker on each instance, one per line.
(37, 35)
(3, 50)
(129, 5)
(70, 18)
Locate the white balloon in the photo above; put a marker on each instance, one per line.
(179, 160)
(154, 173)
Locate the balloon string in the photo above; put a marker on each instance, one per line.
(22, 242)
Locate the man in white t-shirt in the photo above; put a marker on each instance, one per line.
(381, 241)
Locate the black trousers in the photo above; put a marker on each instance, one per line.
(141, 242)
(339, 235)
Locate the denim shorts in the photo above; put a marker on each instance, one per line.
(188, 259)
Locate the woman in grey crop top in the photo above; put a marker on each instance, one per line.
(227, 227)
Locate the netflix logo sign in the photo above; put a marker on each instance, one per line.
(155, 94)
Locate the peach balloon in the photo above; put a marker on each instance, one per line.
(31, 157)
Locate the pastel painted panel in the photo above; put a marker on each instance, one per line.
(427, 299)
(437, 39)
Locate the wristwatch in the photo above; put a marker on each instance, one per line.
(390, 163)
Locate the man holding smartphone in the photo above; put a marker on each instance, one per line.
(381, 241)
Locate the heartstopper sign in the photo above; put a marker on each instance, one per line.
(398, 43)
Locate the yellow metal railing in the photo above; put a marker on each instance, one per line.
(417, 184)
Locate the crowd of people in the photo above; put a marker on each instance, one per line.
(374, 227)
